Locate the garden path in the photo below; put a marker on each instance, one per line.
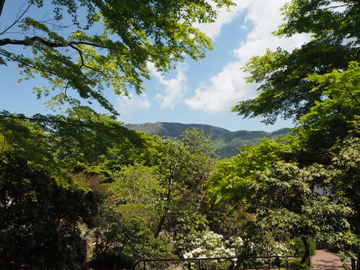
(325, 260)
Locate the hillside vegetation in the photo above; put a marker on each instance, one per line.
(225, 142)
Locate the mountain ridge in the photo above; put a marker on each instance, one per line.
(225, 141)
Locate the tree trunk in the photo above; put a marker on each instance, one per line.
(161, 223)
(307, 250)
(2, 2)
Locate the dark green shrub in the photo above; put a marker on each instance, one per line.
(39, 219)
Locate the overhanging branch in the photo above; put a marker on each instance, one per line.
(28, 41)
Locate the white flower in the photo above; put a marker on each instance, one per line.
(188, 255)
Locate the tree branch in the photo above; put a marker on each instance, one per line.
(62, 122)
(18, 19)
(80, 53)
(344, 5)
(26, 42)
(86, 66)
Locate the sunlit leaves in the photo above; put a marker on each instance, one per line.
(134, 34)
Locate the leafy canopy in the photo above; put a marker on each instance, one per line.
(285, 89)
(132, 35)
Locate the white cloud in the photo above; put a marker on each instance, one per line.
(128, 105)
(175, 88)
(213, 30)
(223, 91)
(228, 87)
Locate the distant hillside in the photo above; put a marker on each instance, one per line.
(225, 141)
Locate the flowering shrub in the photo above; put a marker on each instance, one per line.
(209, 244)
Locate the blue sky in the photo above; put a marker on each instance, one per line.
(193, 93)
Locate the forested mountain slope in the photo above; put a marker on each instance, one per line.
(225, 141)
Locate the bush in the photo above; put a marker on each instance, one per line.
(39, 219)
(294, 264)
(123, 236)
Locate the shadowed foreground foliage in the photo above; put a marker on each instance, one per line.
(38, 217)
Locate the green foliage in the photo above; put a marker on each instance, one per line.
(285, 200)
(31, 141)
(282, 196)
(138, 147)
(136, 184)
(297, 246)
(231, 179)
(316, 85)
(132, 34)
(39, 218)
(295, 264)
(123, 236)
(285, 89)
(185, 167)
(324, 19)
(332, 118)
(80, 139)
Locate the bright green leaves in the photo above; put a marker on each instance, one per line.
(285, 90)
(317, 86)
(28, 140)
(78, 141)
(325, 19)
(334, 116)
(341, 96)
(344, 180)
(136, 184)
(260, 66)
(231, 180)
(135, 33)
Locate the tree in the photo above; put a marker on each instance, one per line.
(124, 234)
(78, 142)
(163, 196)
(78, 65)
(332, 119)
(282, 196)
(185, 166)
(39, 218)
(134, 34)
(135, 148)
(316, 86)
(136, 184)
(325, 19)
(231, 177)
(344, 186)
(285, 90)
